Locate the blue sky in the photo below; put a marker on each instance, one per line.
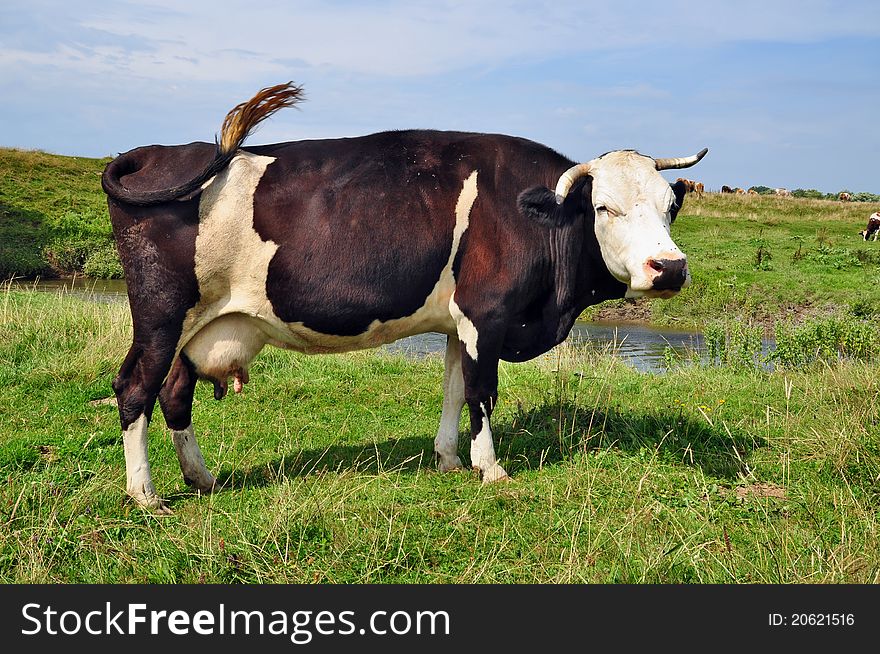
(782, 93)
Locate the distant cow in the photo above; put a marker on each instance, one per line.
(333, 245)
(688, 184)
(691, 186)
(726, 189)
(752, 192)
(739, 191)
(873, 228)
(783, 192)
(844, 197)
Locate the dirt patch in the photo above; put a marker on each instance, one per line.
(761, 490)
(632, 311)
(49, 453)
(107, 400)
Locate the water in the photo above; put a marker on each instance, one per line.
(96, 290)
(640, 346)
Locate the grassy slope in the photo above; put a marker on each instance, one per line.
(53, 213)
(701, 475)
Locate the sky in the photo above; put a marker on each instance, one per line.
(783, 93)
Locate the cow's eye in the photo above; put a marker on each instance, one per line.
(601, 209)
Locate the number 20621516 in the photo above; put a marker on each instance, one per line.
(811, 620)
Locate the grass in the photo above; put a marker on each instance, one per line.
(765, 259)
(709, 474)
(53, 216)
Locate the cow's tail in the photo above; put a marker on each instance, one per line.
(237, 126)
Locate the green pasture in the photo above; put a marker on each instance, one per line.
(703, 474)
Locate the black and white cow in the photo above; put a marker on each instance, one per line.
(336, 245)
(873, 227)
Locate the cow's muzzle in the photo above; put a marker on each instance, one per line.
(667, 274)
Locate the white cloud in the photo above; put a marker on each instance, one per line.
(219, 39)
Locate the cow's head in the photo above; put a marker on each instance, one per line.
(634, 207)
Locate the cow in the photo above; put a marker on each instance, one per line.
(843, 196)
(782, 192)
(752, 192)
(873, 228)
(689, 184)
(726, 189)
(325, 246)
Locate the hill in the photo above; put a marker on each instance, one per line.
(53, 217)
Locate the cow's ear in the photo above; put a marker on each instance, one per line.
(539, 204)
(679, 189)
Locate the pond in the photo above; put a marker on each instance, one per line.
(640, 346)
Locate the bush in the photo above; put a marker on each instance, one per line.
(812, 194)
(865, 197)
(68, 255)
(825, 339)
(103, 263)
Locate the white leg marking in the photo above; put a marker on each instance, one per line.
(483, 453)
(138, 483)
(192, 463)
(465, 328)
(446, 442)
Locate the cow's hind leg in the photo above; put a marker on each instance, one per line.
(176, 398)
(137, 386)
(446, 442)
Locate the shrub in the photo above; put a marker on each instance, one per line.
(810, 193)
(824, 339)
(103, 263)
(68, 255)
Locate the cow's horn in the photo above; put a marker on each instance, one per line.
(568, 178)
(680, 162)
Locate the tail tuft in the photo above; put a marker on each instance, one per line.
(241, 121)
(237, 126)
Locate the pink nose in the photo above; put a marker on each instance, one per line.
(667, 274)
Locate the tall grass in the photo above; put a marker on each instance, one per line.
(705, 474)
(796, 345)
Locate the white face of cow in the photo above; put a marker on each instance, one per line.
(632, 204)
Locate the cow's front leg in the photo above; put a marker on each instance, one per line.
(176, 398)
(446, 442)
(479, 360)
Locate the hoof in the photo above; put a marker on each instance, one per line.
(151, 502)
(492, 474)
(205, 483)
(448, 464)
